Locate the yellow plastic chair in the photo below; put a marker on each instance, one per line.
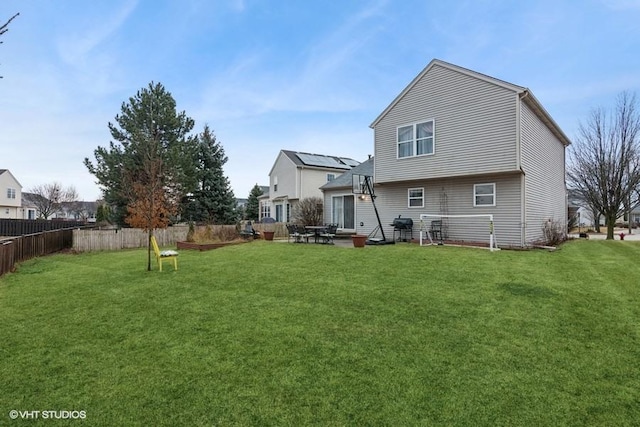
(162, 256)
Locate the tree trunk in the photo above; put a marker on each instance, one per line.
(611, 222)
(596, 221)
(149, 251)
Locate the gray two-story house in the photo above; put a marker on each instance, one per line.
(458, 142)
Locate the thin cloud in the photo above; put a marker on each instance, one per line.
(312, 81)
(73, 48)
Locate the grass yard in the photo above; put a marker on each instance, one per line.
(286, 334)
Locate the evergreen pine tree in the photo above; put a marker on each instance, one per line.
(213, 201)
(252, 210)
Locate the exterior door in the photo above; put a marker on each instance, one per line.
(343, 211)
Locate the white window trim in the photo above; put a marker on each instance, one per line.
(331, 177)
(409, 198)
(415, 139)
(475, 195)
(355, 210)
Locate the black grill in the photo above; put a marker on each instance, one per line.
(402, 226)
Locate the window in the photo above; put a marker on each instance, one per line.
(265, 209)
(11, 193)
(330, 177)
(484, 195)
(275, 184)
(416, 197)
(416, 139)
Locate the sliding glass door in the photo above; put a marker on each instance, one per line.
(343, 211)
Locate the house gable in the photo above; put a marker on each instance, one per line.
(297, 175)
(452, 67)
(474, 124)
(10, 195)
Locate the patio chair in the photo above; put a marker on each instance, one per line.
(293, 233)
(298, 233)
(436, 229)
(305, 234)
(249, 231)
(329, 234)
(167, 255)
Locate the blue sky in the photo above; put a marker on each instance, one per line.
(267, 75)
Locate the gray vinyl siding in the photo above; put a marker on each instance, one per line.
(543, 163)
(392, 200)
(475, 128)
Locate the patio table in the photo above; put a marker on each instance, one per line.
(317, 230)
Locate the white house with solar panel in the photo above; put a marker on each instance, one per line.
(296, 176)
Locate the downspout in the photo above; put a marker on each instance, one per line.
(523, 189)
(299, 192)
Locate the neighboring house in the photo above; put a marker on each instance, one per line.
(586, 217)
(75, 211)
(30, 206)
(10, 196)
(459, 142)
(296, 176)
(78, 211)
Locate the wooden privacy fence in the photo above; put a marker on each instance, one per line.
(128, 238)
(20, 227)
(125, 238)
(16, 249)
(279, 229)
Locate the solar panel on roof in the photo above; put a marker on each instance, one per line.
(322, 161)
(350, 162)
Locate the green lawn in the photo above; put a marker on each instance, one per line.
(286, 334)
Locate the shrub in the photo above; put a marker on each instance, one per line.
(554, 232)
(308, 211)
(215, 234)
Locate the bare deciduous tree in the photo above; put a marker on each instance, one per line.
(151, 202)
(48, 198)
(5, 27)
(604, 162)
